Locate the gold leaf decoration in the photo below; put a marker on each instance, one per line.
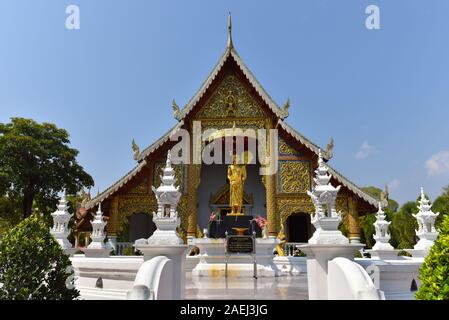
(286, 149)
(294, 176)
(288, 206)
(231, 99)
(141, 187)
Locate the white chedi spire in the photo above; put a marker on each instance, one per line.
(97, 248)
(426, 224)
(324, 193)
(166, 218)
(60, 230)
(381, 236)
(326, 218)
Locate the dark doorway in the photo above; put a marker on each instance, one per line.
(141, 225)
(298, 227)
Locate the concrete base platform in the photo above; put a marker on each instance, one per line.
(212, 259)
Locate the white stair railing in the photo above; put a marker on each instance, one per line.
(154, 280)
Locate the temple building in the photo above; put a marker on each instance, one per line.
(230, 97)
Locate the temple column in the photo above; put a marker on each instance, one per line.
(270, 190)
(113, 223)
(194, 177)
(270, 186)
(353, 221)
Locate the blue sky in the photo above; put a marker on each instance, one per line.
(382, 94)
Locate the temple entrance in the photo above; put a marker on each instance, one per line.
(298, 227)
(213, 193)
(141, 225)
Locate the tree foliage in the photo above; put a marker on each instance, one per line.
(377, 193)
(36, 163)
(367, 229)
(403, 225)
(32, 264)
(434, 272)
(441, 205)
(10, 214)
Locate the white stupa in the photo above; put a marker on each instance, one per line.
(382, 249)
(166, 218)
(61, 218)
(382, 236)
(326, 218)
(426, 232)
(97, 248)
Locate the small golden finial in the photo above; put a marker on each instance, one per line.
(230, 45)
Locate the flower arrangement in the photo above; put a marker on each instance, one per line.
(212, 217)
(261, 221)
(263, 225)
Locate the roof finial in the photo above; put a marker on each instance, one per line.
(230, 45)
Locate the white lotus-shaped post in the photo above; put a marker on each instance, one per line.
(381, 236)
(97, 248)
(426, 224)
(166, 218)
(326, 218)
(60, 230)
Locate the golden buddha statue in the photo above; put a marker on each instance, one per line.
(237, 177)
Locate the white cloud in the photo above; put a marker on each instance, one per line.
(365, 151)
(394, 184)
(438, 163)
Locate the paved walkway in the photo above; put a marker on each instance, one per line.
(280, 288)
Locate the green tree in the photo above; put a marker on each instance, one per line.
(403, 225)
(36, 163)
(377, 193)
(9, 213)
(32, 264)
(367, 229)
(441, 205)
(434, 272)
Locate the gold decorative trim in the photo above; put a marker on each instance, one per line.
(286, 149)
(294, 176)
(287, 206)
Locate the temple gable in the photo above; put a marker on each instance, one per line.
(231, 99)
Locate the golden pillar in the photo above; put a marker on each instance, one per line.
(353, 221)
(270, 190)
(270, 187)
(112, 225)
(193, 182)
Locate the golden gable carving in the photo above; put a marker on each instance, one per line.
(231, 99)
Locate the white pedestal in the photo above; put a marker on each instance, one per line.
(97, 249)
(384, 254)
(117, 274)
(354, 239)
(177, 253)
(393, 277)
(318, 256)
(418, 253)
(292, 266)
(327, 232)
(212, 259)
